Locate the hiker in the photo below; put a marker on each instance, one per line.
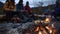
(27, 8)
(56, 12)
(20, 8)
(9, 8)
(6, 8)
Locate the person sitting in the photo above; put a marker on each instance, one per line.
(27, 8)
(20, 8)
(6, 8)
(56, 12)
(9, 8)
(12, 8)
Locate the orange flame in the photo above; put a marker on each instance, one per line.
(49, 28)
(43, 30)
(50, 31)
(47, 20)
(39, 32)
(37, 29)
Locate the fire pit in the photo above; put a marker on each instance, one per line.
(41, 30)
(42, 27)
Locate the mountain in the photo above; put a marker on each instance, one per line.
(1, 7)
(1, 4)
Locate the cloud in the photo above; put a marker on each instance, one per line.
(46, 2)
(3, 1)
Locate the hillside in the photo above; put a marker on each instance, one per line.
(1, 8)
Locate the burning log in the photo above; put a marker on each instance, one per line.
(40, 28)
(51, 29)
(47, 20)
(39, 32)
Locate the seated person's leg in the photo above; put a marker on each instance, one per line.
(19, 14)
(12, 13)
(7, 14)
(24, 13)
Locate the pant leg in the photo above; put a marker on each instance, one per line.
(8, 14)
(12, 14)
(20, 15)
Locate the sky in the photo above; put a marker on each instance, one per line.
(33, 2)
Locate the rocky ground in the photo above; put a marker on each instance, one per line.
(21, 28)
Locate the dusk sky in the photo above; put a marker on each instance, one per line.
(32, 2)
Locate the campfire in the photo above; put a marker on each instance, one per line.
(42, 30)
(41, 27)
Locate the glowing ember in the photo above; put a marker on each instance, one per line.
(45, 32)
(42, 30)
(37, 29)
(50, 31)
(47, 27)
(47, 20)
(39, 32)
